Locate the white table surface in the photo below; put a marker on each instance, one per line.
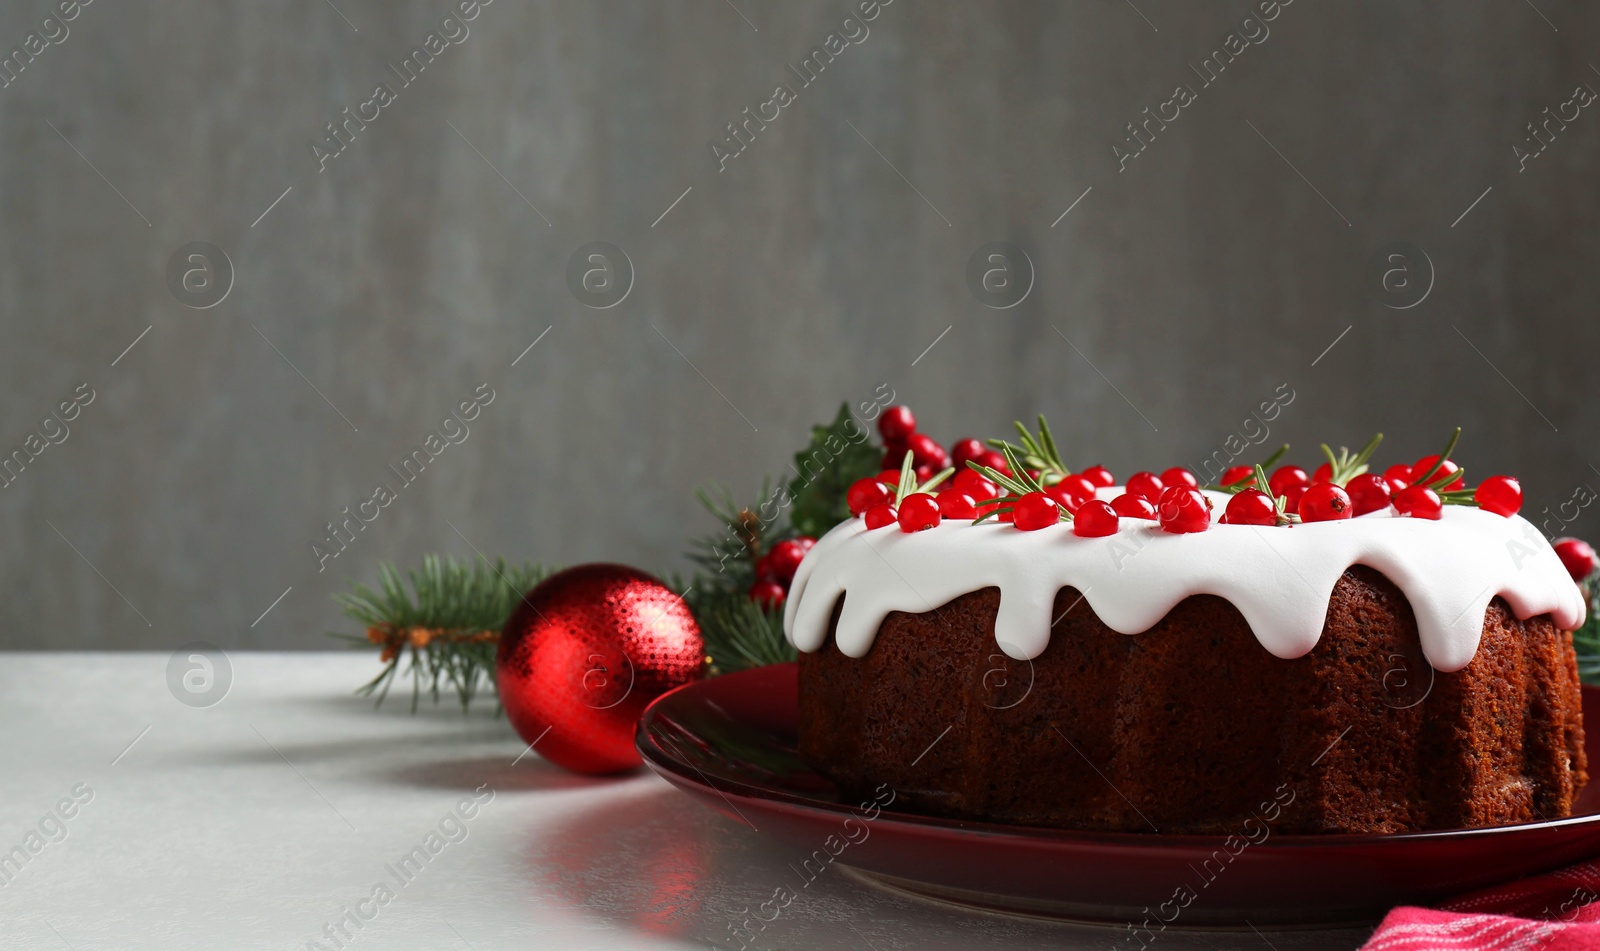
(253, 822)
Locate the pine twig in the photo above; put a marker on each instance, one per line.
(446, 623)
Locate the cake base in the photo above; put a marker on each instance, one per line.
(1193, 727)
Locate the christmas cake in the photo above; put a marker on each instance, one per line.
(1328, 652)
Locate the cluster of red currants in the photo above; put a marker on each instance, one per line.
(1412, 490)
(1173, 499)
(775, 570)
(898, 426)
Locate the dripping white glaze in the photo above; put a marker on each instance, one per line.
(1279, 578)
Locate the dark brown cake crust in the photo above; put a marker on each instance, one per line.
(1192, 726)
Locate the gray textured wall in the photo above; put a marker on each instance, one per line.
(1220, 263)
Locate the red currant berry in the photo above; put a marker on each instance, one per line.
(918, 511)
(963, 450)
(1095, 519)
(975, 485)
(768, 594)
(1035, 511)
(1251, 507)
(1446, 466)
(927, 451)
(954, 504)
(1236, 474)
(784, 558)
(1399, 471)
(1369, 492)
(1395, 485)
(1182, 510)
(897, 423)
(1325, 502)
(993, 460)
(1080, 485)
(1577, 557)
(865, 493)
(1285, 477)
(890, 477)
(1178, 475)
(881, 515)
(1129, 505)
(1145, 484)
(1501, 495)
(1418, 502)
(998, 516)
(1064, 497)
(1291, 498)
(1072, 491)
(924, 473)
(1100, 476)
(1324, 473)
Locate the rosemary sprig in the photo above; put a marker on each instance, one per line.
(1345, 466)
(1017, 485)
(1037, 453)
(1242, 484)
(908, 480)
(1280, 503)
(1449, 447)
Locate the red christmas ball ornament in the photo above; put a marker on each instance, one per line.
(584, 653)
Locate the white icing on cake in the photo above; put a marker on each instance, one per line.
(1279, 577)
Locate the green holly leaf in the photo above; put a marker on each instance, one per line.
(839, 454)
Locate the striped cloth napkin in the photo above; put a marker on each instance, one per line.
(1556, 911)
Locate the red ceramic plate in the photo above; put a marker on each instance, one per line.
(730, 741)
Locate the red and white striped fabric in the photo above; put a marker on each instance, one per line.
(1557, 911)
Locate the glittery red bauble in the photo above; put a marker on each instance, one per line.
(583, 655)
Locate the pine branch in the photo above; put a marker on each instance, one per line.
(1586, 639)
(738, 633)
(447, 625)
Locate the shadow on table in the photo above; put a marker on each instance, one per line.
(531, 774)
